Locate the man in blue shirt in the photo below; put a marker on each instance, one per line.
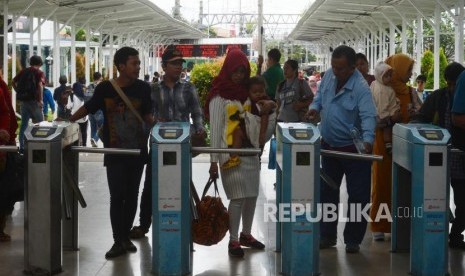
(345, 103)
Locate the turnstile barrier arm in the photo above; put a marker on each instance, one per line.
(350, 155)
(66, 204)
(106, 150)
(251, 151)
(9, 148)
(74, 185)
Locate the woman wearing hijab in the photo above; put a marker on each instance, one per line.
(240, 183)
(75, 101)
(402, 66)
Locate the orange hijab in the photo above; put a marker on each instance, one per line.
(400, 64)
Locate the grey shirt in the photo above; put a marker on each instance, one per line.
(289, 92)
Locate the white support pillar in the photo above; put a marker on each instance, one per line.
(100, 54)
(56, 53)
(419, 45)
(459, 31)
(392, 39)
(372, 51)
(88, 54)
(5, 47)
(13, 51)
(437, 32)
(73, 53)
(110, 65)
(260, 27)
(404, 36)
(31, 34)
(39, 39)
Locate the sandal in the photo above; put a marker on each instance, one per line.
(5, 237)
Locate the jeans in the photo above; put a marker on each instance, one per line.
(358, 179)
(29, 110)
(96, 121)
(83, 130)
(123, 182)
(145, 214)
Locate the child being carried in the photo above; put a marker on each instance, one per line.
(252, 124)
(387, 105)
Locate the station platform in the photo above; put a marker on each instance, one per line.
(95, 238)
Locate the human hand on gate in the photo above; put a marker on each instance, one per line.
(368, 147)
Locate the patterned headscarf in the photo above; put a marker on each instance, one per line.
(223, 86)
(400, 64)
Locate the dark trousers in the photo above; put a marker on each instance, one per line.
(123, 182)
(83, 129)
(458, 224)
(358, 179)
(145, 215)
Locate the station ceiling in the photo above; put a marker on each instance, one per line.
(339, 19)
(117, 16)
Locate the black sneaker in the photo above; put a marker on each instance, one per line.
(116, 250)
(129, 246)
(138, 232)
(235, 250)
(327, 243)
(352, 248)
(457, 245)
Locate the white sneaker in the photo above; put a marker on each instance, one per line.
(94, 144)
(378, 236)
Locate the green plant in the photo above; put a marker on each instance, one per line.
(427, 62)
(442, 66)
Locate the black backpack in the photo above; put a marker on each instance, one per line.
(26, 88)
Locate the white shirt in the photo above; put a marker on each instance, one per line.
(74, 103)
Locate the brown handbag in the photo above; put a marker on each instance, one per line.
(213, 217)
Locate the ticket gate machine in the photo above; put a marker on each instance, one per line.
(171, 176)
(420, 197)
(51, 180)
(297, 185)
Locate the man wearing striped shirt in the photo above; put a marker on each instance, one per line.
(173, 100)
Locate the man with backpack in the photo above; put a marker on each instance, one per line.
(29, 85)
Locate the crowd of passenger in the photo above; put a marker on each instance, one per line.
(342, 99)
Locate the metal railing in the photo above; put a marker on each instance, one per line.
(9, 148)
(106, 150)
(225, 150)
(349, 155)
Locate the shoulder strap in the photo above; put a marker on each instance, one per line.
(126, 100)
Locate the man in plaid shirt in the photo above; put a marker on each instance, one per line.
(173, 100)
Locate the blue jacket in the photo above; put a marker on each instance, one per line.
(352, 107)
(48, 101)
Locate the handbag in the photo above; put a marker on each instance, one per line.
(213, 217)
